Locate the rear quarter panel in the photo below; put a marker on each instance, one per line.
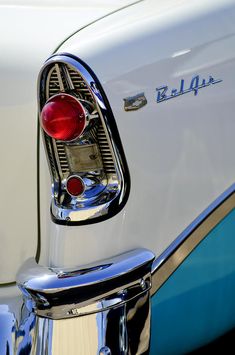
(179, 152)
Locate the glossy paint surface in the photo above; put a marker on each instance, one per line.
(196, 304)
(180, 152)
(30, 32)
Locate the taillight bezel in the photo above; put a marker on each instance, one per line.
(111, 197)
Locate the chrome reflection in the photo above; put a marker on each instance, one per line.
(8, 331)
(97, 309)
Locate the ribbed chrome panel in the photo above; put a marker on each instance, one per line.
(105, 151)
(62, 157)
(50, 155)
(54, 86)
(80, 86)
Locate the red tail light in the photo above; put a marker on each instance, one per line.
(75, 185)
(63, 117)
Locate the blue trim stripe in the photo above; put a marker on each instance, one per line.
(196, 304)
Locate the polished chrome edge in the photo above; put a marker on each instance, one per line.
(60, 294)
(107, 209)
(164, 265)
(101, 308)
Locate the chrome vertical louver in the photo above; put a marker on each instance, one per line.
(96, 156)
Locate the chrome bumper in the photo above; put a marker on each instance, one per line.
(98, 309)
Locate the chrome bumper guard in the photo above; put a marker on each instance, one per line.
(98, 309)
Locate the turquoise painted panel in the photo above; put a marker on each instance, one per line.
(197, 303)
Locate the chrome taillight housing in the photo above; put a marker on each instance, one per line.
(90, 179)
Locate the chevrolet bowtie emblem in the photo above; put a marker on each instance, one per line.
(133, 103)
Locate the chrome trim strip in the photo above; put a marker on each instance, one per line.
(177, 252)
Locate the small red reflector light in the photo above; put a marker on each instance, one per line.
(63, 117)
(75, 186)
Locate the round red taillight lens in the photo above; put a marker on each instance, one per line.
(63, 117)
(75, 186)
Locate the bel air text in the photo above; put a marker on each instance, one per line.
(196, 83)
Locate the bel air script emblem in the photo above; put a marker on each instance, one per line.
(163, 92)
